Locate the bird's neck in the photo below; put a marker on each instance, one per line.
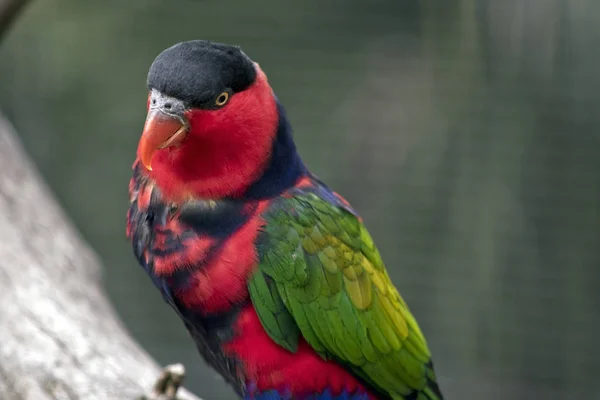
(285, 166)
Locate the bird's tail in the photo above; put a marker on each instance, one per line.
(432, 390)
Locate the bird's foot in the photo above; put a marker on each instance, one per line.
(167, 384)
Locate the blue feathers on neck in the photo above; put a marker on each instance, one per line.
(285, 167)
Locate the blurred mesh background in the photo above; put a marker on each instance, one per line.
(466, 132)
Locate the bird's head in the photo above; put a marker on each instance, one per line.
(212, 119)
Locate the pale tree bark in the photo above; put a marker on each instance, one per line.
(59, 336)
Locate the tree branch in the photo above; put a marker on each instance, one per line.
(59, 336)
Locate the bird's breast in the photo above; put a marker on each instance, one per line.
(203, 251)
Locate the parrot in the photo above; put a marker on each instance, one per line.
(274, 274)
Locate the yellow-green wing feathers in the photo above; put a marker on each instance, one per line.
(321, 275)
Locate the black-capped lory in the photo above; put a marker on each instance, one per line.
(273, 273)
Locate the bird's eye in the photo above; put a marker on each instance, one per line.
(222, 99)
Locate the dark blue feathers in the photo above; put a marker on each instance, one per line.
(326, 395)
(285, 167)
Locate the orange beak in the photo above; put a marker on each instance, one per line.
(161, 130)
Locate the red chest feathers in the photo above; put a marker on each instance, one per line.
(222, 282)
(204, 251)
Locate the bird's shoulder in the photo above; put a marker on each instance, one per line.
(313, 223)
(310, 190)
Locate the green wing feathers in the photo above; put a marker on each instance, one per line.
(321, 275)
(273, 314)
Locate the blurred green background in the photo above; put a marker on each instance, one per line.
(466, 133)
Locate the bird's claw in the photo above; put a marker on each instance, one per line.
(167, 384)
